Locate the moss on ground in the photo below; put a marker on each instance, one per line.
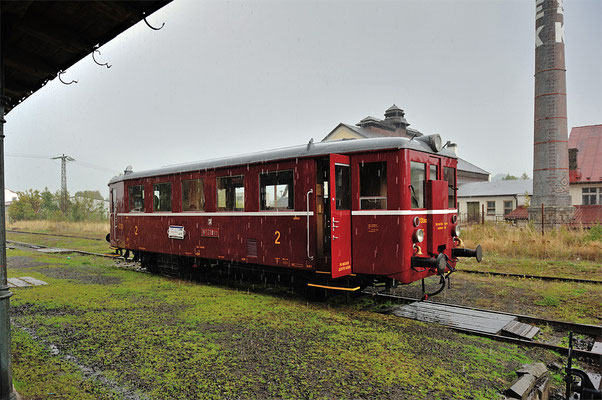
(173, 339)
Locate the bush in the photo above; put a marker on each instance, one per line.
(33, 205)
(594, 234)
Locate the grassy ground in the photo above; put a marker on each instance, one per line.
(101, 332)
(556, 244)
(84, 229)
(119, 333)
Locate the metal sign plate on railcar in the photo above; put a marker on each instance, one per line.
(176, 232)
(210, 232)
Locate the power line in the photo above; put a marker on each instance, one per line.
(26, 155)
(81, 163)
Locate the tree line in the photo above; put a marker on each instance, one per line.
(87, 205)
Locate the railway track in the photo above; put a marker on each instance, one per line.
(501, 274)
(525, 276)
(53, 234)
(559, 326)
(592, 331)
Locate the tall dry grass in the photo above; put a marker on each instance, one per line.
(560, 243)
(86, 229)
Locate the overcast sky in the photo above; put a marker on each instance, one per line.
(225, 78)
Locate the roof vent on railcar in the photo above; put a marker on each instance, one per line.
(434, 141)
(128, 170)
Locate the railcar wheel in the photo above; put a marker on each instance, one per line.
(149, 262)
(126, 255)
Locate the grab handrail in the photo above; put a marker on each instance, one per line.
(308, 213)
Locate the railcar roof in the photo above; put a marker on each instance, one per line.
(308, 150)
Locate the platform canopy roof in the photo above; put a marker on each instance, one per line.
(41, 38)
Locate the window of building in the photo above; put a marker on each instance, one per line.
(136, 198)
(193, 195)
(373, 186)
(590, 196)
(342, 187)
(162, 196)
(276, 190)
(433, 172)
(418, 176)
(491, 208)
(449, 175)
(231, 193)
(508, 206)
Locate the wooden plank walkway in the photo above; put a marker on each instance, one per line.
(520, 329)
(481, 321)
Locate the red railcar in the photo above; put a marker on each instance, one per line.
(347, 212)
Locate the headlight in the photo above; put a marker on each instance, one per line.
(456, 231)
(418, 235)
(454, 219)
(416, 221)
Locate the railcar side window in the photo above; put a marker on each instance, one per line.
(193, 195)
(162, 196)
(433, 172)
(136, 198)
(231, 193)
(418, 176)
(449, 174)
(343, 187)
(373, 186)
(276, 190)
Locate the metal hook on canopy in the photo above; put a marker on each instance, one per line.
(93, 58)
(62, 81)
(150, 26)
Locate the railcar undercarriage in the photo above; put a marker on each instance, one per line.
(315, 285)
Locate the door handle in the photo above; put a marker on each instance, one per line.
(334, 237)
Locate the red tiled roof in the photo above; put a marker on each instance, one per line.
(587, 216)
(588, 140)
(519, 212)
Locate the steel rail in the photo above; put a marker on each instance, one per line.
(540, 277)
(86, 253)
(591, 330)
(54, 234)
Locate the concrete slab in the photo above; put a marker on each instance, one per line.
(55, 250)
(17, 282)
(33, 281)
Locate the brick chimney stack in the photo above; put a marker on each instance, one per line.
(550, 153)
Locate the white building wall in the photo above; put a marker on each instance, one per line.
(498, 215)
(576, 192)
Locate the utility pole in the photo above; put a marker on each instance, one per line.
(64, 194)
(6, 381)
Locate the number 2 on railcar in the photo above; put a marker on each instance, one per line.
(342, 214)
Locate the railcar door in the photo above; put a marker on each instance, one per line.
(340, 215)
